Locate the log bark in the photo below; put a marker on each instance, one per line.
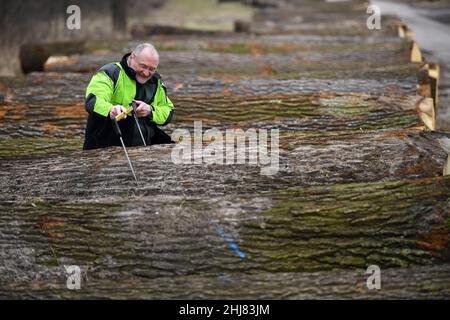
(34, 55)
(65, 114)
(145, 30)
(237, 61)
(299, 232)
(303, 161)
(305, 115)
(358, 181)
(420, 282)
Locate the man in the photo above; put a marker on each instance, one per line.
(113, 89)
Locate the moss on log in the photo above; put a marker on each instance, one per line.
(358, 180)
(294, 232)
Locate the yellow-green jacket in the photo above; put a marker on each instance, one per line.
(115, 84)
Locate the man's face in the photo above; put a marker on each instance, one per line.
(145, 65)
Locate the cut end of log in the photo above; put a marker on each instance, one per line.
(34, 55)
(425, 110)
(416, 55)
(428, 83)
(405, 33)
(58, 60)
(402, 31)
(434, 71)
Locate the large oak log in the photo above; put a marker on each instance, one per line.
(320, 18)
(187, 86)
(419, 282)
(34, 55)
(142, 31)
(236, 61)
(64, 110)
(315, 160)
(295, 231)
(358, 182)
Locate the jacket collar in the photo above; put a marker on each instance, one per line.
(128, 70)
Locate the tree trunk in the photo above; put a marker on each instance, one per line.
(289, 233)
(357, 180)
(119, 17)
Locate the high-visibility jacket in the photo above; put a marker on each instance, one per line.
(115, 84)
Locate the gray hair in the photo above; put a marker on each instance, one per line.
(142, 46)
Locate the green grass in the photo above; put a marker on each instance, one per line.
(198, 14)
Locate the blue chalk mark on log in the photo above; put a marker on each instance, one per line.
(230, 242)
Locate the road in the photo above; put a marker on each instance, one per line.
(433, 38)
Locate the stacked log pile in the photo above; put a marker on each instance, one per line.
(359, 181)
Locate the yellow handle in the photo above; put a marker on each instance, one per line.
(122, 115)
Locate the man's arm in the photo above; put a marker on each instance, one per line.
(163, 108)
(99, 94)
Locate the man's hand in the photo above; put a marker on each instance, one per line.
(143, 109)
(116, 110)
